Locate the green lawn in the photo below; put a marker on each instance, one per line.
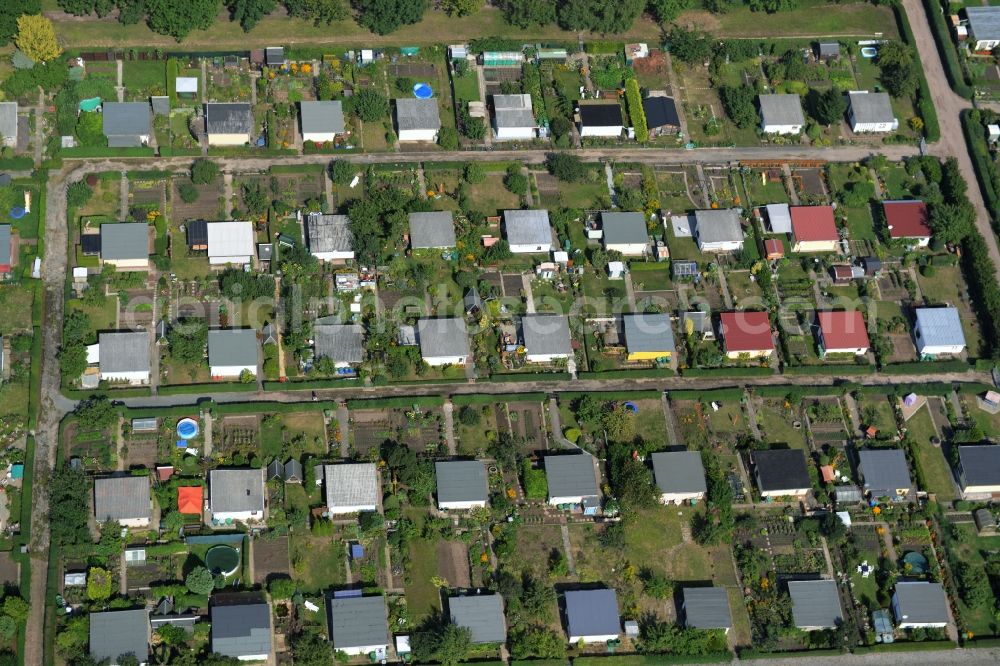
(15, 309)
(654, 542)
(491, 197)
(102, 316)
(859, 224)
(467, 87)
(318, 563)
(146, 76)
(422, 596)
(775, 422)
(920, 426)
(969, 549)
(937, 473)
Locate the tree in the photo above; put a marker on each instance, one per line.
(16, 607)
(529, 13)
(898, 74)
(255, 198)
(200, 581)
(342, 172)
(973, 585)
(72, 360)
(666, 11)
(689, 46)
(663, 637)
(827, 107)
(537, 643)
(448, 138)
(96, 412)
(311, 649)
(68, 512)
(320, 12)
(515, 180)
(36, 38)
(187, 340)
(738, 101)
(78, 194)
(475, 173)
(952, 223)
(619, 423)
(588, 409)
(566, 167)
(631, 481)
(188, 192)
(282, 588)
(371, 105)
(832, 527)
(657, 586)
(98, 584)
(442, 641)
(8, 627)
(461, 7)
(248, 13)
(385, 16)
(204, 171)
(469, 415)
(177, 18)
(599, 15)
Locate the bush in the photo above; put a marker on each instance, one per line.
(536, 486)
(566, 167)
(204, 171)
(469, 416)
(200, 581)
(281, 588)
(572, 434)
(635, 111)
(78, 194)
(188, 192)
(98, 584)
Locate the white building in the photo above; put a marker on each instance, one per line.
(601, 119)
(236, 494)
(230, 243)
(679, 475)
(718, 230)
(461, 485)
(232, 351)
(125, 245)
(513, 119)
(938, 331)
(625, 233)
(546, 337)
(417, 119)
(358, 624)
(781, 114)
(351, 487)
(984, 27)
(321, 121)
(919, 605)
(871, 112)
(330, 237)
(124, 357)
(123, 499)
(528, 231)
(443, 341)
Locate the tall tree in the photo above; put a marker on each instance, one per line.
(827, 107)
(599, 15)
(36, 37)
(249, 12)
(952, 223)
(529, 13)
(898, 73)
(461, 7)
(10, 11)
(177, 18)
(385, 16)
(320, 12)
(738, 101)
(666, 11)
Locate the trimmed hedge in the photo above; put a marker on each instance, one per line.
(424, 382)
(531, 377)
(635, 111)
(828, 370)
(17, 164)
(652, 659)
(396, 403)
(167, 151)
(485, 399)
(753, 653)
(297, 168)
(975, 140)
(102, 151)
(728, 393)
(307, 384)
(919, 368)
(727, 372)
(949, 56)
(925, 103)
(782, 391)
(906, 646)
(185, 389)
(646, 373)
(111, 394)
(612, 395)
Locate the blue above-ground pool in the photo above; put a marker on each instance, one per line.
(868, 51)
(632, 407)
(17, 212)
(187, 429)
(423, 91)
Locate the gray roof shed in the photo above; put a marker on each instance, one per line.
(781, 110)
(357, 621)
(228, 118)
(571, 475)
(121, 498)
(241, 630)
(718, 226)
(527, 227)
(442, 337)
(592, 613)
(350, 485)
(461, 481)
(329, 233)
(648, 332)
(482, 614)
(884, 471)
(417, 114)
(624, 228)
(235, 490)
(679, 471)
(432, 230)
(980, 464)
(984, 22)
(871, 107)
(125, 123)
(341, 343)
(5, 244)
(815, 604)
(124, 241)
(779, 218)
(124, 351)
(707, 608)
(940, 327)
(232, 347)
(322, 117)
(8, 120)
(546, 334)
(117, 633)
(920, 602)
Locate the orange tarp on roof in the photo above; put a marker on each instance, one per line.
(189, 499)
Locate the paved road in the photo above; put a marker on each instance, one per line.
(969, 657)
(949, 108)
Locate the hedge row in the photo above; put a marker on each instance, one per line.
(485, 399)
(396, 403)
(919, 368)
(652, 659)
(307, 384)
(975, 141)
(612, 395)
(727, 372)
(906, 646)
(184, 389)
(949, 56)
(635, 111)
(753, 653)
(828, 370)
(728, 393)
(111, 394)
(782, 391)
(424, 382)
(925, 103)
(647, 373)
(297, 168)
(103, 151)
(17, 164)
(167, 151)
(530, 377)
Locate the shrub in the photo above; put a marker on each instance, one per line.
(204, 171)
(200, 581)
(188, 192)
(635, 111)
(98, 584)
(572, 434)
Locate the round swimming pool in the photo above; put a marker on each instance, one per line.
(187, 428)
(422, 91)
(222, 559)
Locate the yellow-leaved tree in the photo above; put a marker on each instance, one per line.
(36, 37)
